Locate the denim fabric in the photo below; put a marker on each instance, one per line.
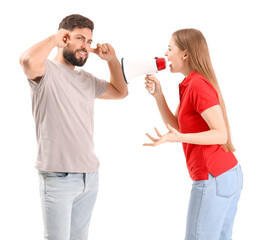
(67, 202)
(213, 206)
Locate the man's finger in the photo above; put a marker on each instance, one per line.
(106, 47)
(96, 50)
(103, 48)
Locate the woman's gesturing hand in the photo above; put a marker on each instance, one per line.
(172, 136)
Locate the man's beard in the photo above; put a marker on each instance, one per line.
(70, 57)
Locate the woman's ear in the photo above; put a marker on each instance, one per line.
(185, 55)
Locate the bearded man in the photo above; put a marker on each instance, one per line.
(63, 110)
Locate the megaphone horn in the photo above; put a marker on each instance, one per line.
(134, 68)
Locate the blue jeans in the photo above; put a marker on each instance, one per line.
(67, 202)
(213, 206)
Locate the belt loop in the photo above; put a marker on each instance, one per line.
(84, 181)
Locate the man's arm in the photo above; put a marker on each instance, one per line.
(33, 60)
(117, 88)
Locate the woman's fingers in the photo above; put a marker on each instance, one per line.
(152, 138)
(149, 144)
(158, 134)
(148, 83)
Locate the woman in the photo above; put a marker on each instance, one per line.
(201, 124)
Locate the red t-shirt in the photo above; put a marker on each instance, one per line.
(196, 95)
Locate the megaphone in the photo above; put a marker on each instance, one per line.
(134, 68)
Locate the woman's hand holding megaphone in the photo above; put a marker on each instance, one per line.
(152, 83)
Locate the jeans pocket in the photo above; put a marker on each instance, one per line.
(54, 182)
(56, 174)
(227, 183)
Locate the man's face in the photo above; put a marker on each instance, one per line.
(77, 51)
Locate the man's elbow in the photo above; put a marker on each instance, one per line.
(26, 62)
(123, 94)
(23, 60)
(31, 69)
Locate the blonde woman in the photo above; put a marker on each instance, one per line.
(201, 124)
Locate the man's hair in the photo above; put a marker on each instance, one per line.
(76, 21)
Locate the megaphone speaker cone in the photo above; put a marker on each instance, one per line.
(161, 64)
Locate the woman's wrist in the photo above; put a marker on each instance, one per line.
(159, 97)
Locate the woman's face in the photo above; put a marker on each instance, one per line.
(176, 57)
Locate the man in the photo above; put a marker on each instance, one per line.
(63, 109)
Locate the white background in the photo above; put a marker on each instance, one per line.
(143, 192)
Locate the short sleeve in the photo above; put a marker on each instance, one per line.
(203, 95)
(99, 85)
(34, 85)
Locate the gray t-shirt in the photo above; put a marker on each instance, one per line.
(63, 109)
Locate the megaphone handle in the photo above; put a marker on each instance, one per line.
(153, 90)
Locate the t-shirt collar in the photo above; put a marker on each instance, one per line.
(188, 78)
(66, 67)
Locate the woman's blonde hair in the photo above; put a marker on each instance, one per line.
(194, 43)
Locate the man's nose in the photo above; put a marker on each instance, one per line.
(86, 46)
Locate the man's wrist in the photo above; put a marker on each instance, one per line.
(113, 60)
(53, 40)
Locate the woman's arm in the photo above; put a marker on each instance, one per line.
(166, 114)
(216, 135)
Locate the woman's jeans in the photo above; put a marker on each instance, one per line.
(213, 206)
(67, 203)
